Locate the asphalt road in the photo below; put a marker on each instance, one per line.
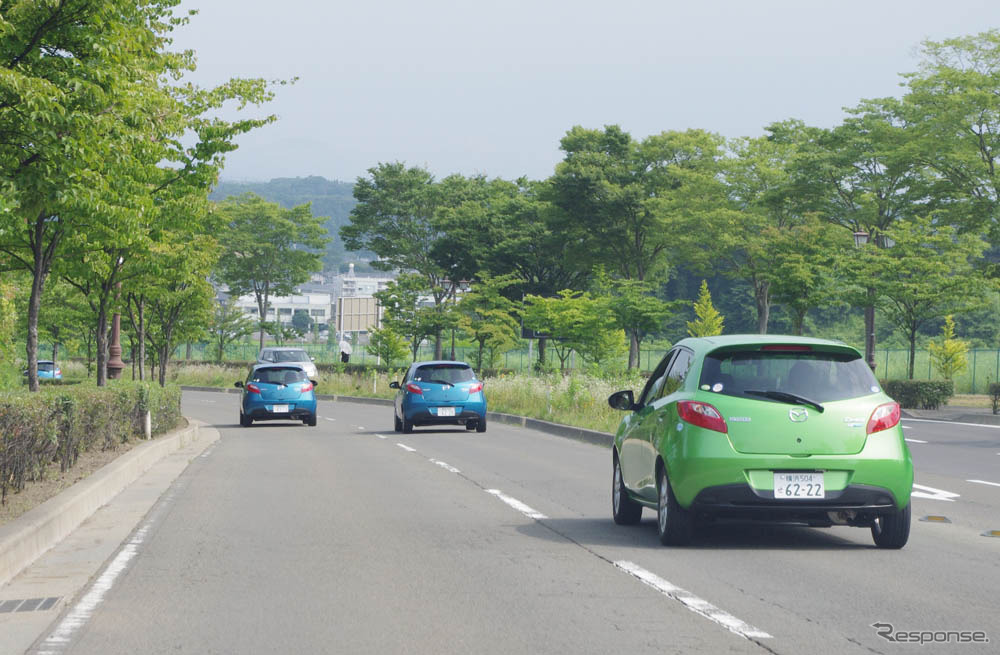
(350, 538)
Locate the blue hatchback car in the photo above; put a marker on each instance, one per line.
(277, 391)
(439, 393)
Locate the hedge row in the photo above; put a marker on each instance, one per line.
(920, 394)
(58, 423)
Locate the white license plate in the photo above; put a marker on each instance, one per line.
(446, 411)
(279, 409)
(799, 486)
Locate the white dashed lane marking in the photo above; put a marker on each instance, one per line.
(407, 448)
(992, 484)
(693, 603)
(517, 504)
(916, 441)
(445, 466)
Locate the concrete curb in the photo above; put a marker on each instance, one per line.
(557, 429)
(29, 536)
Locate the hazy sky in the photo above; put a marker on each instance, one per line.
(475, 87)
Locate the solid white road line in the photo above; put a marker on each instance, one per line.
(693, 603)
(516, 504)
(933, 494)
(992, 484)
(445, 466)
(915, 441)
(407, 448)
(61, 638)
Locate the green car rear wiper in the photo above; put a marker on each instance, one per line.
(786, 397)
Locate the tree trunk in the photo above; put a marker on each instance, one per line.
(141, 309)
(633, 349)
(541, 352)
(164, 355)
(102, 346)
(763, 298)
(437, 344)
(798, 321)
(913, 353)
(55, 351)
(34, 306)
(187, 351)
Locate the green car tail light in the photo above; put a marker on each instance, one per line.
(884, 417)
(702, 415)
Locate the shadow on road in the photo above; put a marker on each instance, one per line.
(732, 535)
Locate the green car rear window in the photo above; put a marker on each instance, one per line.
(817, 375)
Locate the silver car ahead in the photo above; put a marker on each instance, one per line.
(288, 355)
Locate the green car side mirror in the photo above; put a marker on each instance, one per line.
(623, 400)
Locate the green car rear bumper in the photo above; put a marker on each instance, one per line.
(706, 471)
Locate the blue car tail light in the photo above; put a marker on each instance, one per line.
(413, 388)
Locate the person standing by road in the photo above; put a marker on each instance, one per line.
(345, 350)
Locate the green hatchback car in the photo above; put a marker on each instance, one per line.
(768, 427)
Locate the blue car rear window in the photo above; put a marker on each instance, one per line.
(278, 375)
(444, 374)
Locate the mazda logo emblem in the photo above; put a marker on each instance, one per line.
(798, 415)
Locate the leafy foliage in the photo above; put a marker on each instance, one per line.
(708, 321)
(267, 250)
(950, 355)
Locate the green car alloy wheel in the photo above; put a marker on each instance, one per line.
(762, 427)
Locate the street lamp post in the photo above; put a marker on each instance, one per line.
(115, 364)
(860, 239)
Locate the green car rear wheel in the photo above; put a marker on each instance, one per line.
(892, 530)
(675, 524)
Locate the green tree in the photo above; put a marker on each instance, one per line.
(180, 305)
(927, 273)
(577, 322)
(954, 108)
(386, 345)
(634, 206)
(708, 321)
(267, 250)
(404, 216)
(91, 128)
(635, 309)
(8, 324)
(489, 318)
(403, 313)
(762, 213)
(805, 260)
(301, 321)
(229, 324)
(950, 355)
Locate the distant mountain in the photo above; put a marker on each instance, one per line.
(329, 198)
